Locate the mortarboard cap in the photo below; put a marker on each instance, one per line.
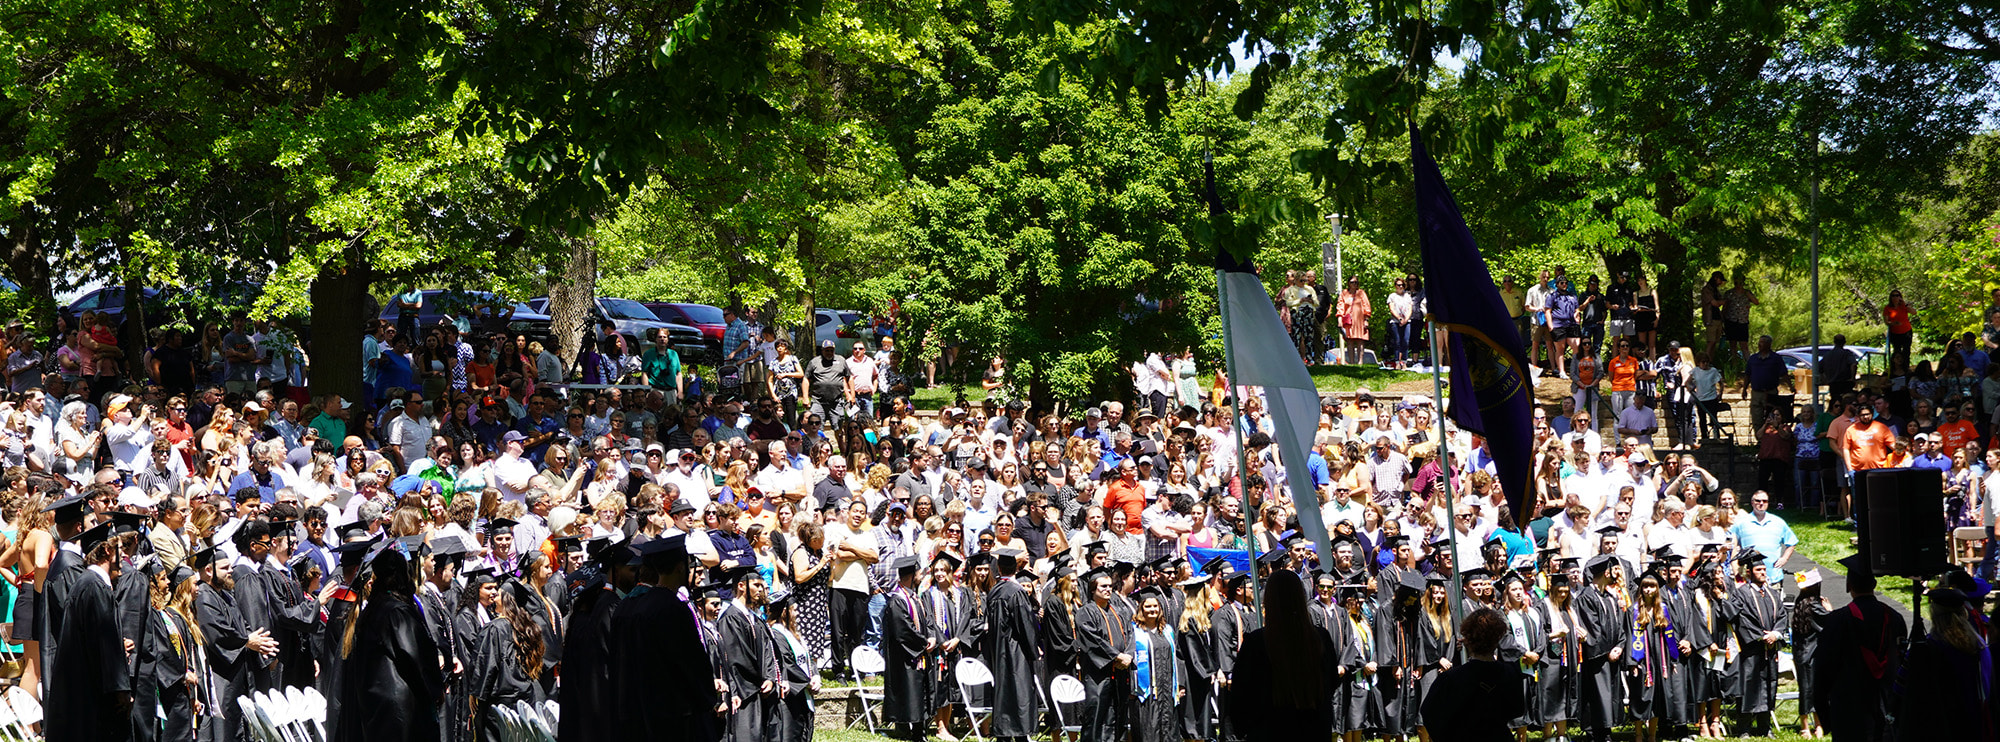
(90, 539)
(1273, 556)
(659, 549)
(949, 559)
(202, 558)
(1410, 582)
(1750, 557)
(1216, 566)
(906, 564)
(68, 509)
(1599, 563)
(1610, 529)
(123, 522)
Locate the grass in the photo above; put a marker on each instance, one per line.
(1827, 541)
(1328, 379)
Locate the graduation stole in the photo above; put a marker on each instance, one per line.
(1877, 665)
(1364, 640)
(1142, 663)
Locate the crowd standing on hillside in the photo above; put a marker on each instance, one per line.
(662, 557)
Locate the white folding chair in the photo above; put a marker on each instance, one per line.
(12, 724)
(26, 708)
(553, 711)
(531, 720)
(17, 717)
(510, 725)
(1065, 690)
(283, 717)
(865, 661)
(315, 707)
(312, 727)
(972, 674)
(249, 709)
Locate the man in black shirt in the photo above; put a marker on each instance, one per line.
(1590, 313)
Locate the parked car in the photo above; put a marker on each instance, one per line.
(109, 303)
(637, 323)
(703, 317)
(843, 327)
(1802, 356)
(440, 303)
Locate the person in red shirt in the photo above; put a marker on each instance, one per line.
(1124, 493)
(1897, 316)
(1868, 444)
(1624, 371)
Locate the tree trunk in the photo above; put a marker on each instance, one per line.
(339, 313)
(570, 298)
(135, 322)
(806, 338)
(28, 263)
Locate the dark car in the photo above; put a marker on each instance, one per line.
(440, 303)
(109, 303)
(706, 318)
(637, 324)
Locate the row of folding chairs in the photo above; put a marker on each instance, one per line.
(524, 722)
(289, 715)
(970, 674)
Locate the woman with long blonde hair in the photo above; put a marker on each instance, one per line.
(169, 647)
(1654, 686)
(1201, 662)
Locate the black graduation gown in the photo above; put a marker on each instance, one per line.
(1599, 691)
(1010, 654)
(499, 680)
(586, 674)
(1058, 639)
(54, 600)
(391, 685)
(1559, 685)
(466, 626)
(549, 620)
(1759, 609)
(1710, 632)
(258, 606)
(298, 627)
(229, 659)
(1156, 708)
(159, 678)
(327, 646)
(1654, 686)
(1251, 690)
(1853, 666)
(1347, 659)
(792, 720)
(1359, 703)
(79, 703)
(1941, 693)
(943, 616)
(748, 663)
(1513, 649)
(1395, 661)
(1808, 616)
(1432, 651)
(1229, 624)
(1107, 689)
(905, 649)
(661, 673)
(439, 623)
(1199, 665)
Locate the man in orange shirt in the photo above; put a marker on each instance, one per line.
(1956, 430)
(1125, 493)
(1867, 444)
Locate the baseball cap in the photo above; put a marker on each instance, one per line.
(826, 344)
(512, 436)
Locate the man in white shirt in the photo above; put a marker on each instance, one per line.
(685, 524)
(782, 480)
(695, 480)
(411, 431)
(1639, 421)
(1673, 533)
(130, 436)
(512, 470)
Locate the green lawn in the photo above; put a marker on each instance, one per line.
(1827, 541)
(1326, 378)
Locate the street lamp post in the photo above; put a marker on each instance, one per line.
(1330, 267)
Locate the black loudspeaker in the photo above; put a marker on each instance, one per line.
(1903, 530)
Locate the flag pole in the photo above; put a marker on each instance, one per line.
(1242, 456)
(1453, 588)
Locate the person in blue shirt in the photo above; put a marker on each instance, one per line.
(1767, 534)
(1930, 453)
(539, 425)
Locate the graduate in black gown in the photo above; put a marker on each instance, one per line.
(1526, 645)
(1106, 642)
(537, 572)
(666, 687)
(255, 600)
(1010, 650)
(586, 677)
(342, 604)
(1436, 647)
(90, 692)
(64, 567)
(228, 650)
(163, 677)
(1358, 701)
(792, 718)
(509, 661)
(1857, 660)
(1476, 701)
(1156, 681)
(1398, 654)
(1558, 687)
(1712, 635)
(475, 610)
(1761, 618)
(1329, 615)
(1653, 683)
(1201, 669)
(945, 614)
(1279, 690)
(906, 646)
(1602, 606)
(1809, 615)
(750, 667)
(1229, 624)
(297, 626)
(1946, 677)
(392, 682)
(440, 563)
